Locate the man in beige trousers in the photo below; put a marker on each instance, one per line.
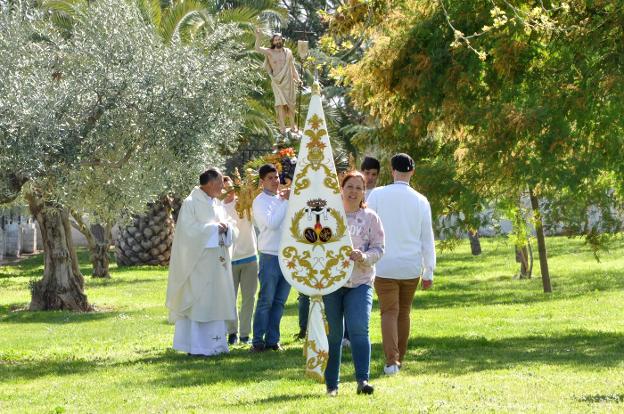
(410, 255)
(244, 268)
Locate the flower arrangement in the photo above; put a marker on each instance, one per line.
(284, 160)
(248, 187)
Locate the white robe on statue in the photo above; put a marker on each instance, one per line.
(200, 292)
(283, 82)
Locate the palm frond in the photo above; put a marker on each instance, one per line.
(274, 16)
(260, 118)
(69, 7)
(243, 15)
(183, 15)
(151, 11)
(62, 21)
(63, 13)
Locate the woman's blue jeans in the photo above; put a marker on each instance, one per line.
(353, 305)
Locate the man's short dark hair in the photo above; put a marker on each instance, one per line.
(402, 162)
(210, 174)
(370, 163)
(265, 170)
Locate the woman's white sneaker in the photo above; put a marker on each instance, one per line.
(391, 369)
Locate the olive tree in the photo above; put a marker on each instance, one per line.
(101, 119)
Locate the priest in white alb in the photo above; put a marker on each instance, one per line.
(200, 293)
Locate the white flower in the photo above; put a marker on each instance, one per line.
(496, 11)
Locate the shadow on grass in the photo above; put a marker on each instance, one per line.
(13, 307)
(240, 366)
(25, 371)
(279, 399)
(502, 290)
(460, 355)
(99, 282)
(29, 267)
(18, 313)
(177, 369)
(32, 266)
(585, 350)
(602, 398)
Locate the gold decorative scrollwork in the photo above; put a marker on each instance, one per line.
(301, 182)
(315, 146)
(315, 158)
(294, 227)
(340, 260)
(313, 363)
(294, 259)
(332, 183)
(337, 262)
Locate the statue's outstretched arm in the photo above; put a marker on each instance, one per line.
(257, 46)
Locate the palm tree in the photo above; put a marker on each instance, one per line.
(186, 20)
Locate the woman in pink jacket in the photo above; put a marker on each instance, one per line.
(353, 302)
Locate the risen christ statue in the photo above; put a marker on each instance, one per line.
(280, 64)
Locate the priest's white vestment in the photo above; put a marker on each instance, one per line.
(200, 292)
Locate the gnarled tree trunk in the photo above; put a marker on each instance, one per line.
(62, 285)
(100, 258)
(99, 240)
(475, 243)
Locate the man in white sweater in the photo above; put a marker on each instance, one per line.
(410, 255)
(269, 210)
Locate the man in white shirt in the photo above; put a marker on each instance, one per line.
(269, 209)
(244, 267)
(410, 254)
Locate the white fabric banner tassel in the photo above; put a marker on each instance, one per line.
(316, 349)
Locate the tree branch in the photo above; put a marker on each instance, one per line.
(11, 186)
(79, 224)
(112, 164)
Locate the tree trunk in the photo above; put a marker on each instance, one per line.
(99, 240)
(524, 257)
(62, 285)
(100, 258)
(475, 243)
(541, 242)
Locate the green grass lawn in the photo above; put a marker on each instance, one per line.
(481, 342)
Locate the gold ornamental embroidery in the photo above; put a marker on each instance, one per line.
(315, 158)
(333, 266)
